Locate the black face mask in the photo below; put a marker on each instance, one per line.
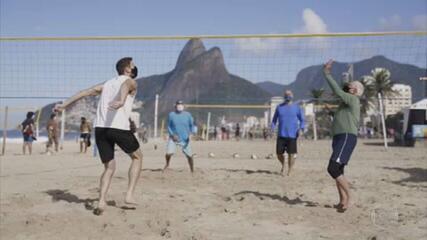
(134, 72)
(346, 88)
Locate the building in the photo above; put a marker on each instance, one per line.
(402, 99)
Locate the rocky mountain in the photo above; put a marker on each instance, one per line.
(199, 77)
(312, 77)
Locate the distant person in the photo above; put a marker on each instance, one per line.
(85, 130)
(215, 133)
(344, 131)
(291, 121)
(180, 128)
(113, 127)
(237, 132)
(251, 133)
(265, 133)
(223, 132)
(52, 134)
(27, 128)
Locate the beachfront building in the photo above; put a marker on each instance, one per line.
(402, 99)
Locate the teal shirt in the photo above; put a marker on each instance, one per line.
(346, 118)
(180, 124)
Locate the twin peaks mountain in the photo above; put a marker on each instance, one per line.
(199, 77)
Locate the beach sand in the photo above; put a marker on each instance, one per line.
(52, 197)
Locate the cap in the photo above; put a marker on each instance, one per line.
(179, 102)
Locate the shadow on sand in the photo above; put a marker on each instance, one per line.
(247, 171)
(64, 195)
(295, 201)
(416, 175)
(381, 144)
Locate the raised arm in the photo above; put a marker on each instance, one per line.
(129, 86)
(346, 97)
(92, 91)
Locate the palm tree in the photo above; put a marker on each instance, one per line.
(379, 85)
(368, 99)
(316, 95)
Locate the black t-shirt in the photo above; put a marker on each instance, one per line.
(25, 123)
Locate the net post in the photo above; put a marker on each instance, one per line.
(3, 149)
(208, 123)
(62, 129)
(156, 106)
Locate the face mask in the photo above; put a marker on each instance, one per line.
(180, 108)
(134, 72)
(288, 98)
(346, 88)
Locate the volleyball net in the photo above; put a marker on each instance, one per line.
(223, 79)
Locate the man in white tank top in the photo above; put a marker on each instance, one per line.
(113, 126)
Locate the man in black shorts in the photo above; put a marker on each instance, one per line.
(113, 127)
(291, 121)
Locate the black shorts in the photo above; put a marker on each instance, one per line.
(285, 144)
(106, 138)
(84, 136)
(342, 147)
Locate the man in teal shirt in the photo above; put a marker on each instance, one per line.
(180, 127)
(344, 131)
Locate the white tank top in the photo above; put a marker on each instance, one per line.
(107, 118)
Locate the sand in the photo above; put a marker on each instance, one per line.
(51, 197)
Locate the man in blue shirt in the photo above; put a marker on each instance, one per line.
(291, 120)
(180, 127)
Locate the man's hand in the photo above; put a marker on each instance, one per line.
(114, 105)
(327, 67)
(175, 138)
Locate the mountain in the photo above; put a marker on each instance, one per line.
(199, 77)
(273, 88)
(312, 77)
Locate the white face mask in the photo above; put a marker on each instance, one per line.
(180, 108)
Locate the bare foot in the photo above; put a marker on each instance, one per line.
(343, 207)
(100, 209)
(339, 205)
(130, 200)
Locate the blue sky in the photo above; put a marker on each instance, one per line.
(59, 69)
(193, 17)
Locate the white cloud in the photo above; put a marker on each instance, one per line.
(392, 23)
(313, 23)
(419, 22)
(258, 45)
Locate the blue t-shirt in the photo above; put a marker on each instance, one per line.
(290, 118)
(180, 124)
